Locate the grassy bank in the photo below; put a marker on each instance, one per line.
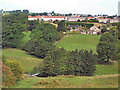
(106, 76)
(28, 61)
(73, 42)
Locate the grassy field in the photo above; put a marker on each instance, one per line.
(28, 62)
(73, 42)
(107, 69)
(106, 76)
(110, 81)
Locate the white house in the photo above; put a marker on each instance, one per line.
(52, 18)
(95, 29)
(75, 18)
(34, 18)
(46, 18)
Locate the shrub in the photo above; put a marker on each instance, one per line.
(16, 68)
(8, 78)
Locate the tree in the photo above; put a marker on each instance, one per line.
(45, 31)
(107, 48)
(13, 26)
(61, 26)
(39, 48)
(62, 62)
(104, 29)
(32, 24)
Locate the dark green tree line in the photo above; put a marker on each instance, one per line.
(12, 27)
(62, 62)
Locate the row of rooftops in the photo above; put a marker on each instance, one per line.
(99, 17)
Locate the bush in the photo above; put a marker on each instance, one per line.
(16, 68)
(8, 78)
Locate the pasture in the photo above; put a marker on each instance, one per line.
(28, 61)
(101, 79)
(73, 42)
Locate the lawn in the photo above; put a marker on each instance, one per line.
(73, 42)
(28, 61)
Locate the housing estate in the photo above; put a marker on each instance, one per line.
(47, 18)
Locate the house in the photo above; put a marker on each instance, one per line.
(102, 20)
(46, 18)
(34, 18)
(89, 18)
(115, 20)
(94, 30)
(52, 18)
(75, 18)
(74, 28)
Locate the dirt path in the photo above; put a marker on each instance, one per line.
(114, 75)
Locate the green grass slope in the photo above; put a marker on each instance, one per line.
(73, 42)
(107, 69)
(109, 81)
(106, 76)
(28, 62)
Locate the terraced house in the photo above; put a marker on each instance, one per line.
(47, 18)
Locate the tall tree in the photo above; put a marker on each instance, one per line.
(107, 48)
(13, 26)
(61, 26)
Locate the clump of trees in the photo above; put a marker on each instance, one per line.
(107, 47)
(61, 26)
(12, 27)
(42, 39)
(62, 62)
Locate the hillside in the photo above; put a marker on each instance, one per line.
(28, 61)
(102, 79)
(73, 42)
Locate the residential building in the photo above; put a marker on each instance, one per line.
(46, 18)
(75, 18)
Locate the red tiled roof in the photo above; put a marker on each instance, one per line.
(107, 18)
(90, 17)
(46, 16)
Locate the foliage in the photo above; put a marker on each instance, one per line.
(62, 62)
(61, 26)
(88, 25)
(45, 31)
(104, 29)
(60, 35)
(28, 62)
(8, 78)
(13, 26)
(107, 48)
(93, 20)
(16, 68)
(38, 48)
(41, 40)
(32, 24)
